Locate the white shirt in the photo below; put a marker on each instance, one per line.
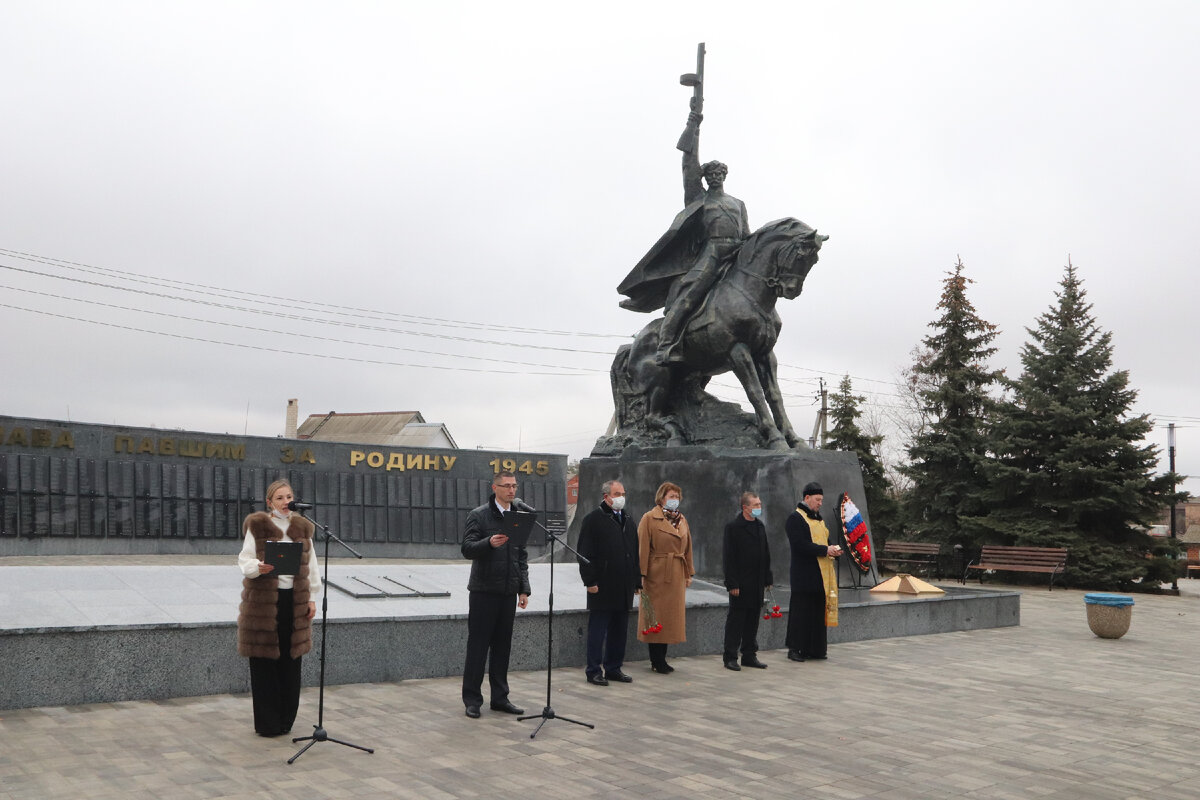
(248, 560)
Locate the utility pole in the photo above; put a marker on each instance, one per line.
(821, 425)
(1171, 460)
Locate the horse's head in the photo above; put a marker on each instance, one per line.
(785, 250)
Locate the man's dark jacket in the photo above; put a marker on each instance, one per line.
(747, 562)
(806, 570)
(612, 549)
(500, 570)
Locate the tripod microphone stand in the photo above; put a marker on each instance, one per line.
(319, 733)
(548, 711)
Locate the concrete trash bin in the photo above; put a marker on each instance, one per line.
(1108, 615)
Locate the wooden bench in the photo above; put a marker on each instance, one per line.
(1002, 558)
(919, 553)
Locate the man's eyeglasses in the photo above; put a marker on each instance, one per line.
(505, 485)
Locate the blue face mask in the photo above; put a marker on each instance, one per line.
(756, 512)
(671, 505)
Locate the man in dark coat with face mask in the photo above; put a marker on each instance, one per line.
(608, 540)
(747, 561)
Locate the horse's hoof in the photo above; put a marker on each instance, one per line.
(778, 443)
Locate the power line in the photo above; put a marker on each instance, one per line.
(301, 335)
(293, 352)
(219, 291)
(313, 320)
(343, 310)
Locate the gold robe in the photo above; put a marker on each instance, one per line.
(820, 535)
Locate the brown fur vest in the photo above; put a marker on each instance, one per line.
(258, 635)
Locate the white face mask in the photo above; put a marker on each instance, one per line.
(617, 503)
(672, 504)
(280, 514)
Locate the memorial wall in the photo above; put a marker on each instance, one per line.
(76, 488)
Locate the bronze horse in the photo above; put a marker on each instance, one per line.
(735, 329)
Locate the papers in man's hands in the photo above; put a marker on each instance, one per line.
(517, 526)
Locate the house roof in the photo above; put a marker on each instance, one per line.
(364, 428)
(424, 434)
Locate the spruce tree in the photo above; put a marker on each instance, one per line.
(948, 458)
(1070, 469)
(848, 435)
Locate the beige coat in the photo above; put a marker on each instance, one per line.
(665, 553)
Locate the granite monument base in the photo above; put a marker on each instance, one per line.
(713, 481)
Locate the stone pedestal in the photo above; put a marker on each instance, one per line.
(713, 480)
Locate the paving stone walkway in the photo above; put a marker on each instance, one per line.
(1044, 710)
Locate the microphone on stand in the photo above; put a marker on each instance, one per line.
(295, 506)
(521, 505)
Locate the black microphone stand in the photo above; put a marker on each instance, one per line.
(548, 712)
(319, 734)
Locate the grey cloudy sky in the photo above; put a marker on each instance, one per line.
(363, 204)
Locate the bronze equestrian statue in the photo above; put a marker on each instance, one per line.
(718, 284)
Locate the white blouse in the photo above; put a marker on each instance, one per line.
(248, 560)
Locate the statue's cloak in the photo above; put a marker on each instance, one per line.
(648, 285)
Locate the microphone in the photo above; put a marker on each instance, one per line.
(295, 506)
(521, 505)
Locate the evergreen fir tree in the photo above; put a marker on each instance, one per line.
(948, 458)
(847, 435)
(1070, 471)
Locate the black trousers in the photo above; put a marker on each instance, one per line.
(489, 643)
(806, 625)
(741, 629)
(275, 682)
(606, 640)
(658, 653)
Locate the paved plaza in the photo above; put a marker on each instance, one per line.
(1044, 710)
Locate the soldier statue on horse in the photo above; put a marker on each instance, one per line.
(718, 284)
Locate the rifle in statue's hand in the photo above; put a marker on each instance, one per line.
(689, 140)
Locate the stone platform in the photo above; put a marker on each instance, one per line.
(112, 632)
(1041, 710)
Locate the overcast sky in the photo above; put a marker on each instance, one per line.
(429, 205)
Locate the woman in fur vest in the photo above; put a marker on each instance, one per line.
(275, 617)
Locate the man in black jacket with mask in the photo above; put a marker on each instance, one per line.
(747, 561)
(608, 540)
(499, 583)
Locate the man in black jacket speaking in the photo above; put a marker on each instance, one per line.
(499, 583)
(608, 540)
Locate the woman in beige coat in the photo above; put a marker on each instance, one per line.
(665, 550)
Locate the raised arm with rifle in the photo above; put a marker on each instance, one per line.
(722, 222)
(689, 140)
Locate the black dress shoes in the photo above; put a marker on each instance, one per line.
(473, 712)
(753, 662)
(507, 708)
(617, 675)
(794, 655)
(662, 669)
(731, 663)
(597, 680)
